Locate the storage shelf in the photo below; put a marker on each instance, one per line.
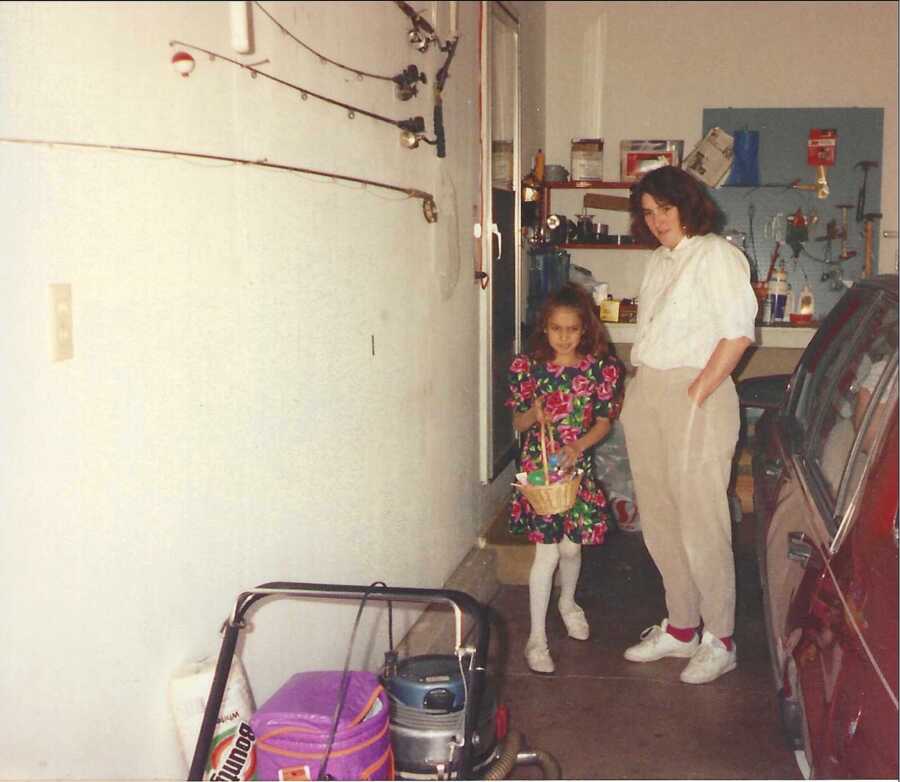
(603, 246)
(588, 184)
(781, 336)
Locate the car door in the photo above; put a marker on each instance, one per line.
(860, 588)
(809, 492)
(789, 518)
(820, 533)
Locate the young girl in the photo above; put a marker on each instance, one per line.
(569, 380)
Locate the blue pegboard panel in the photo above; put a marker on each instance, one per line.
(783, 135)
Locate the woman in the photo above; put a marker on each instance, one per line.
(681, 417)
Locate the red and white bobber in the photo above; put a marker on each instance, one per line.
(183, 63)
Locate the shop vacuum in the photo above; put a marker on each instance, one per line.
(445, 722)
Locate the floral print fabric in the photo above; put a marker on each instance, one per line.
(574, 398)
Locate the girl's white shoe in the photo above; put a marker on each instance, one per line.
(537, 655)
(576, 624)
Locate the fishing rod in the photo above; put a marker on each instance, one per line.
(413, 124)
(429, 207)
(439, 81)
(421, 36)
(407, 80)
(359, 73)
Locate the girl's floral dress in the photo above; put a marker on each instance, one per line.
(574, 398)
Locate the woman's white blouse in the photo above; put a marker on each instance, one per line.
(691, 297)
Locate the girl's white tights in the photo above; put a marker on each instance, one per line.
(547, 556)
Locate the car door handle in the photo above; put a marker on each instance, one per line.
(801, 549)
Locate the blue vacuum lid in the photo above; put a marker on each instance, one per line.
(431, 681)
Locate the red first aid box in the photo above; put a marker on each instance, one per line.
(821, 149)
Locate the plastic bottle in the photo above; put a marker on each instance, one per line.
(778, 296)
(539, 165)
(806, 305)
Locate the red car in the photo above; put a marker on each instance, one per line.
(825, 494)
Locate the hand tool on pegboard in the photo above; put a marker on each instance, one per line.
(868, 239)
(865, 165)
(846, 252)
(772, 261)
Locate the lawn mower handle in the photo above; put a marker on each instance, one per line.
(459, 601)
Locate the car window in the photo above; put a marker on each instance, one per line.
(869, 448)
(820, 364)
(844, 392)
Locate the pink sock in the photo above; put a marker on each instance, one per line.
(682, 634)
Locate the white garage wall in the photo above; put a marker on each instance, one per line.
(223, 421)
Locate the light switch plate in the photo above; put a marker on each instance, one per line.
(62, 346)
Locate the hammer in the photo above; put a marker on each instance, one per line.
(865, 165)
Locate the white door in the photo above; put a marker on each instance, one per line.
(500, 320)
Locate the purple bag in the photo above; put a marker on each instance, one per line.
(293, 726)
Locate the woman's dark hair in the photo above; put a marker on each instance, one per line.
(576, 298)
(669, 185)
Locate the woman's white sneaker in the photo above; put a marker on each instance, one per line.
(710, 662)
(656, 643)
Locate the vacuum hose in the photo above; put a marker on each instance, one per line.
(512, 756)
(507, 760)
(545, 760)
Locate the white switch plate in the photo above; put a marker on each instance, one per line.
(62, 346)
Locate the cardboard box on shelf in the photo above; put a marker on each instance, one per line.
(638, 156)
(618, 311)
(710, 160)
(609, 311)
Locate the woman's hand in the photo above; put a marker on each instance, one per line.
(721, 364)
(696, 391)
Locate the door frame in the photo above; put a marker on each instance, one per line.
(492, 12)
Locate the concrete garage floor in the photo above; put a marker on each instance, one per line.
(602, 717)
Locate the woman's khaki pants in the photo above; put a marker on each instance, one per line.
(680, 457)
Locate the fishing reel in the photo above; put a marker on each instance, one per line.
(407, 82)
(419, 39)
(413, 132)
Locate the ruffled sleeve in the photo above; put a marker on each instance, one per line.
(521, 383)
(609, 388)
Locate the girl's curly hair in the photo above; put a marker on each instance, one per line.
(576, 298)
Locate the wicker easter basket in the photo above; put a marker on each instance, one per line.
(551, 498)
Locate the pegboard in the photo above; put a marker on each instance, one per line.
(783, 135)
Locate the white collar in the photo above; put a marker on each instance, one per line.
(683, 243)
